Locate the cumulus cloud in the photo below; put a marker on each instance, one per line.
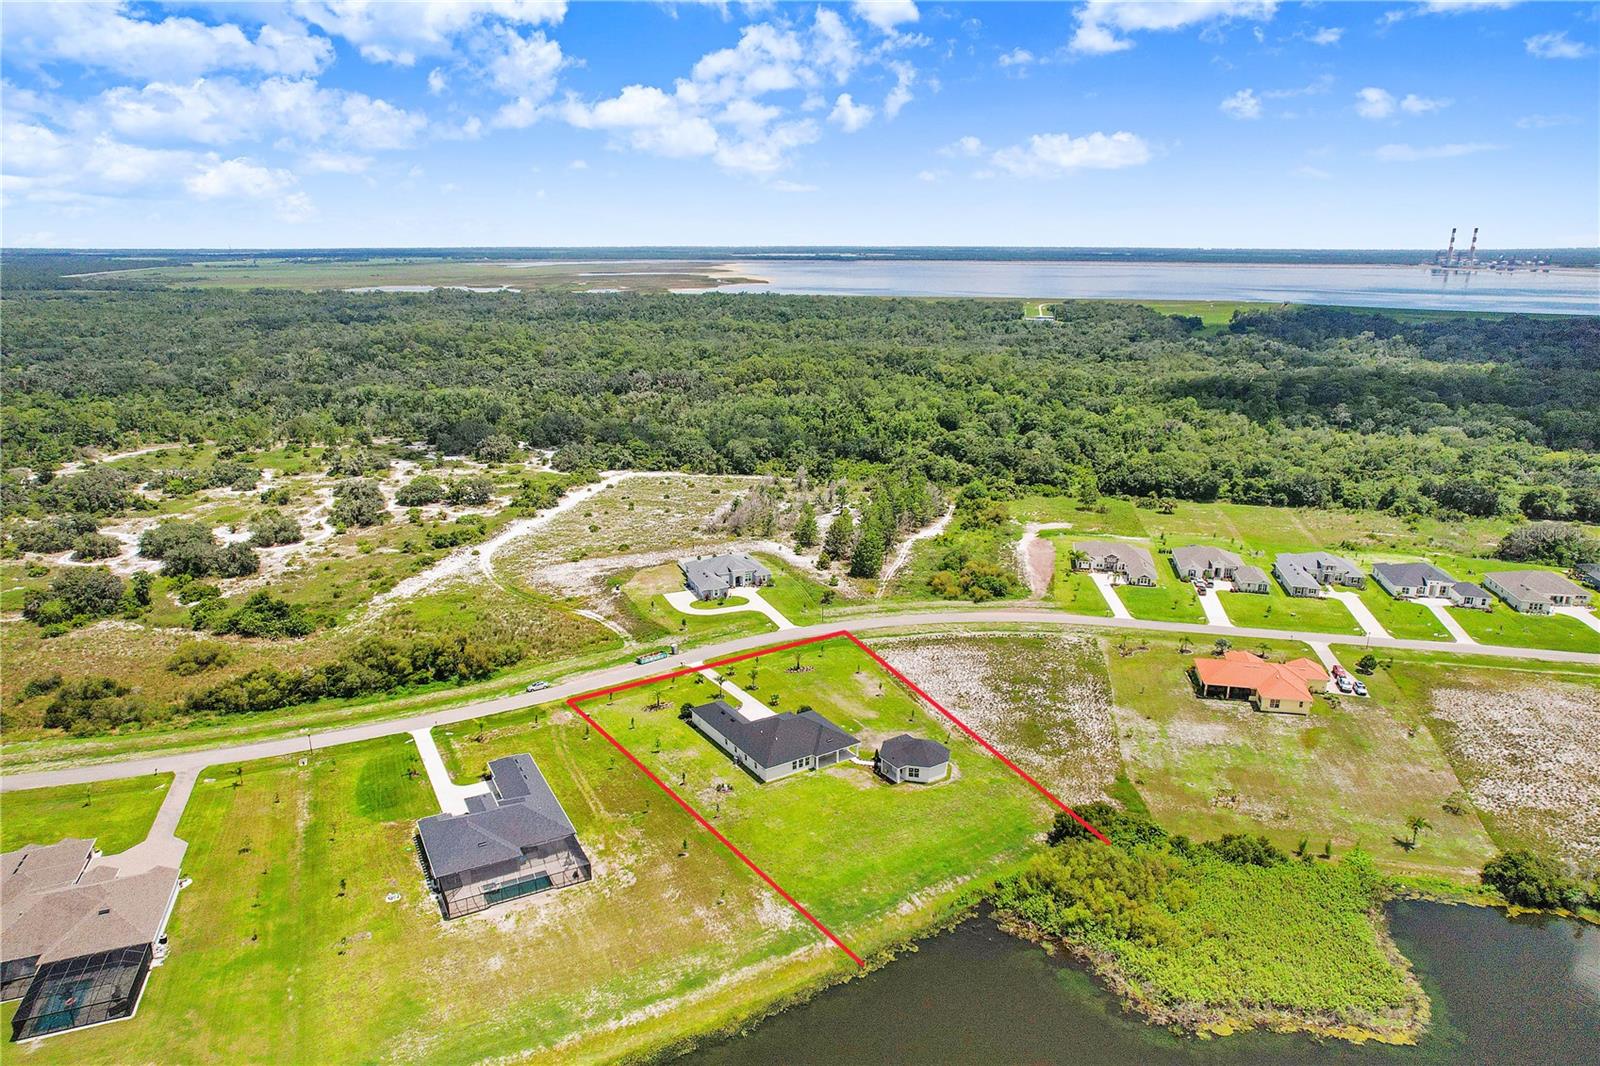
(1017, 57)
(968, 146)
(849, 115)
(1412, 104)
(1373, 102)
(438, 81)
(886, 14)
(111, 37)
(1556, 46)
(1410, 153)
(899, 96)
(1051, 155)
(400, 32)
(1327, 35)
(1104, 25)
(1243, 104)
(222, 110)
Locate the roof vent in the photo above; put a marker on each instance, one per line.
(105, 910)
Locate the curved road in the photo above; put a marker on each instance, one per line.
(187, 763)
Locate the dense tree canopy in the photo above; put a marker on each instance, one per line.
(1309, 406)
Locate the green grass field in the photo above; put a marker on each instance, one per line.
(1401, 618)
(1502, 625)
(1171, 600)
(1351, 773)
(116, 814)
(1278, 610)
(1075, 591)
(1117, 517)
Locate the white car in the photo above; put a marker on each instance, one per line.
(1345, 684)
(537, 686)
(1361, 688)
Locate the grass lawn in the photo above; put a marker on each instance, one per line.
(656, 619)
(1075, 591)
(1117, 517)
(1278, 610)
(799, 598)
(116, 814)
(1403, 619)
(1351, 772)
(883, 843)
(1171, 600)
(1214, 315)
(1502, 625)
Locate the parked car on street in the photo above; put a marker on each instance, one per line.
(537, 686)
(1361, 688)
(1339, 671)
(1345, 684)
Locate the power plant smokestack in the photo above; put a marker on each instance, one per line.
(1450, 252)
(1472, 253)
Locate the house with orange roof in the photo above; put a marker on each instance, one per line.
(1282, 688)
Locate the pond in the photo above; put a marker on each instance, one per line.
(1503, 991)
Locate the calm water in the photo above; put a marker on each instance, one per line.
(1561, 291)
(1524, 991)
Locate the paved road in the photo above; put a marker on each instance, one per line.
(194, 761)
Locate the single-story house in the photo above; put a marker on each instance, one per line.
(1328, 569)
(1466, 594)
(777, 745)
(514, 842)
(1535, 591)
(1278, 687)
(80, 937)
(1196, 561)
(1590, 573)
(1130, 561)
(909, 758)
(1407, 581)
(711, 578)
(1249, 578)
(1295, 579)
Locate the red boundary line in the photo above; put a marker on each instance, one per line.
(574, 701)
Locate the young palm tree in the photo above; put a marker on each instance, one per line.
(1417, 823)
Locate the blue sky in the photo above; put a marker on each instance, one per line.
(1211, 123)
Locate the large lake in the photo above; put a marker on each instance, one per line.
(1503, 991)
(1564, 290)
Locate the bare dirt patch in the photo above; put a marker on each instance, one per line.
(1044, 700)
(1528, 758)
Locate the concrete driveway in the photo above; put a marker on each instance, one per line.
(1361, 612)
(1441, 611)
(1211, 604)
(683, 601)
(1582, 614)
(1108, 588)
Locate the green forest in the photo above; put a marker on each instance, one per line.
(1445, 414)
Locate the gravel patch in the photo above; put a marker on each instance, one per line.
(1528, 756)
(1043, 700)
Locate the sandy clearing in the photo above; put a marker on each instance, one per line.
(902, 554)
(1036, 556)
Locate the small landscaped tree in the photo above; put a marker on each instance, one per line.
(1367, 663)
(805, 531)
(1222, 646)
(1417, 824)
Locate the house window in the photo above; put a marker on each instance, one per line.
(914, 772)
(1272, 703)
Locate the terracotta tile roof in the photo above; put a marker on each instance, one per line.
(1272, 681)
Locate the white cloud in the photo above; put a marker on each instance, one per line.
(849, 115)
(791, 186)
(932, 175)
(578, 164)
(1556, 46)
(438, 81)
(769, 151)
(1445, 7)
(524, 67)
(1049, 155)
(335, 163)
(1312, 172)
(245, 179)
(1243, 104)
(1412, 104)
(1316, 87)
(1544, 122)
(899, 96)
(1327, 35)
(400, 32)
(886, 14)
(968, 146)
(834, 47)
(1375, 103)
(112, 36)
(1409, 153)
(1017, 57)
(221, 110)
(1100, 21)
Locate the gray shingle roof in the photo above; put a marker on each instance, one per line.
(1312, 562)
(907, 750)
(1467, 588)
(1136, 561)
(1204, 557)
(718, 571)
(1536, 584)
(40, 867)
(778, 739)
(526, 815)
(1249, 575)
(56, 910)
(1412, 575)
(1295, 573)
